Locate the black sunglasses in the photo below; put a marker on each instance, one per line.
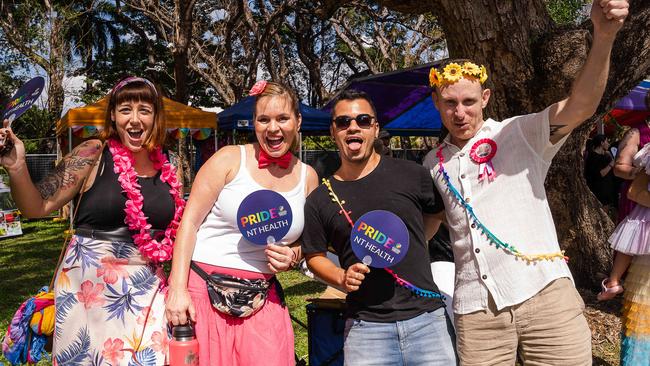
(363, 121)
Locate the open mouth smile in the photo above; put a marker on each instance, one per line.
(135, 133)
(275, 143)
(354, 142)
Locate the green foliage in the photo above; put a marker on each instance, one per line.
(318, 143)
(566, 11)
(9, 64)
(26, 264)
(297, 289)
(406, 40)
(34, 127)
(129, 59)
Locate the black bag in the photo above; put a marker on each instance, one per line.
(325, 335)
(234, 296)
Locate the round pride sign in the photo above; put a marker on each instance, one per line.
(264, 217)
(379, 239)
(23, 99)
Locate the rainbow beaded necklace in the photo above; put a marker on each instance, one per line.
(400, 281)
(478, 225)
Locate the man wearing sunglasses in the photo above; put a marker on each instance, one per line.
(513, 289)
(388, 322)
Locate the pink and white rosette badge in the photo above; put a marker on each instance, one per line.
(482, 153)
(258, 88)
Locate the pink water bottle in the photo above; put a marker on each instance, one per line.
(183, 348)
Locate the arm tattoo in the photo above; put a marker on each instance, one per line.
(632, 132)
(556, 128)
(63, 176)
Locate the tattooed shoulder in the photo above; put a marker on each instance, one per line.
(632, 133)
(65, 174)
(87, 148)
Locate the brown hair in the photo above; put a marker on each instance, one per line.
(273, 89)
(141, 90)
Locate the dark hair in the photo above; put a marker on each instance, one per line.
(596, 141)
(353, 94)
(142, 90)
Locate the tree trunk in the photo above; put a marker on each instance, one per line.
(56, 67)
(182, 37)
(305, 42)
(531, 64)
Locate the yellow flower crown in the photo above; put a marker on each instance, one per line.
(454, 72)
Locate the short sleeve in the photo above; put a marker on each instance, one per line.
(430, 197)
(314, 237)
(536, 131)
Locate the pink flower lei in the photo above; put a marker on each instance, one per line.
(123, 161)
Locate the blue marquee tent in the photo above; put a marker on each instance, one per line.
(402, 99)
(240, 117)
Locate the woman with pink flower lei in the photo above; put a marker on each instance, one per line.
(108, 290)
(226, 208)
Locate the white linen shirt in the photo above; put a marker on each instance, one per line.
(513, 207)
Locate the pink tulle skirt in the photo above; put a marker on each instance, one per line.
(632, 235)
(265, 338)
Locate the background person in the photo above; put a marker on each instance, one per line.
(109, 305)
(209, 236)
(632, 235)
(382, 143)
(635, 338)
(633, 141)
(599, 173)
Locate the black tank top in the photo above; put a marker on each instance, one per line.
(102, 206)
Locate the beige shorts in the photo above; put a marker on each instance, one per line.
(547, 329)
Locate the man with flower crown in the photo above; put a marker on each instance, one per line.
(513, 288)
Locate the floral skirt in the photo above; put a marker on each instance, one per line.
(109, 307)
(635, 343)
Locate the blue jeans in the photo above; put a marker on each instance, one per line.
(428, 339)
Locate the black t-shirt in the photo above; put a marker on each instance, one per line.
(604, 188)
(102, 206)
(403, 188)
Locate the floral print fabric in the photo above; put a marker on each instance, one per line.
(109, 307)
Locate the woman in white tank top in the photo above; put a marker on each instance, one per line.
(227, 230)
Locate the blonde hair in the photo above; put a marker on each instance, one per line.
(275, 89)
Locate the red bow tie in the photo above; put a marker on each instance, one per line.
(266, 160)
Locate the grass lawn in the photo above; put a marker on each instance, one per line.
(27, 263)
